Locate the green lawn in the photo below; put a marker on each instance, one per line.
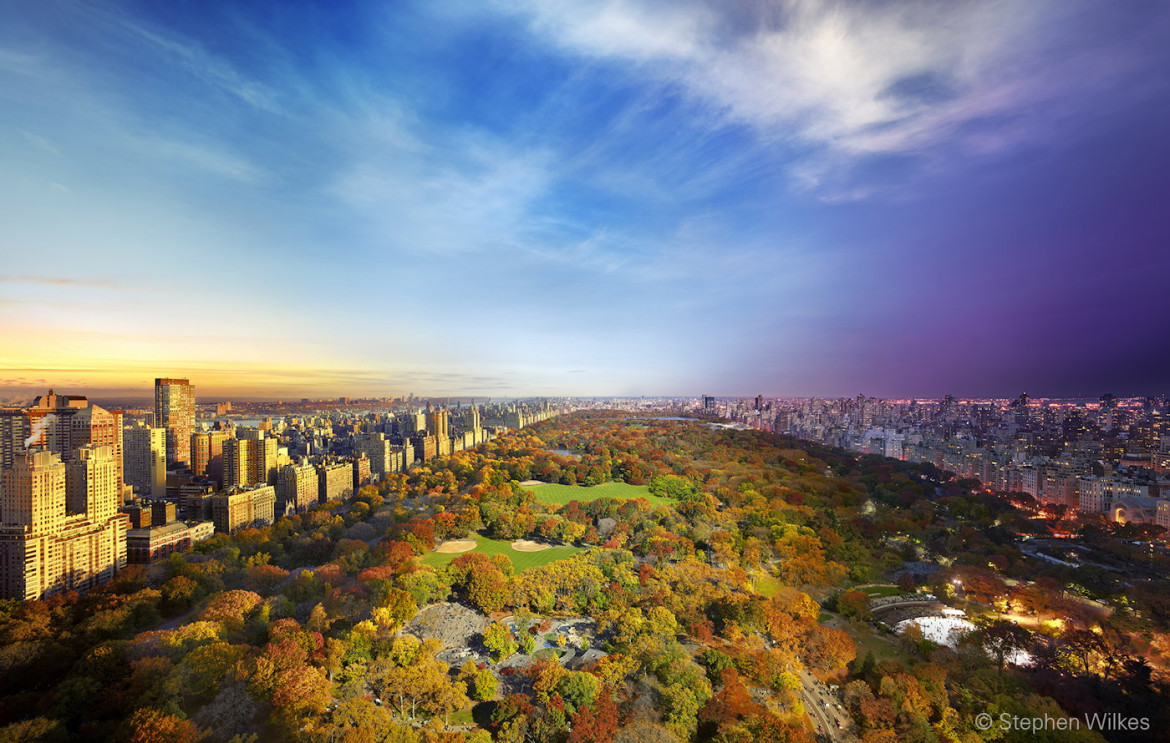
(767, 586)
(562, 494)
(521, 561)
(867, 639)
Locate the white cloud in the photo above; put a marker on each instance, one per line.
(854, 78)
(449, 194)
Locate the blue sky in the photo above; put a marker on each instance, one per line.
(503, 198)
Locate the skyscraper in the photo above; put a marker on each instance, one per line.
(174, 410)
(207, 453)
(95, 426)
(60, 424)
(437, 422)
(92, 489)
(145, 458)
(249, 461)
(61, 529)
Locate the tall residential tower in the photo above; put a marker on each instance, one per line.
(61, 528)
(174, 410)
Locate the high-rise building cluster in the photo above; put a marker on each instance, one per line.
(84, 492)
(61, 528)
(1107, 456)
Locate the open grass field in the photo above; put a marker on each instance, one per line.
(767, 586)
(866, 639)
(562, 494)
(521, 561)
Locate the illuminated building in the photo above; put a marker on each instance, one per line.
(61, 529)
(174, 410)
(145, 460)
(236, 510)
(296, 488)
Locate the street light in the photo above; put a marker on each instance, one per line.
(958, 584)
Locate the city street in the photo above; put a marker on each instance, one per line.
(830, 720)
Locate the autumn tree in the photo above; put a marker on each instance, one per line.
(481, 684)
(854, 605)
(150, 725)
(1002, 639)
(497, 638)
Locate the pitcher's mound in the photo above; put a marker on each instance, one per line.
(453, 546)
(527, 545)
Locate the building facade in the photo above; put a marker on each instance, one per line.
(61, 529)
(233, 511)
(146, 545)
(249, 461)
(207, 454)
(336, 481)
(174, 410)
(296, 488)
(145, 460)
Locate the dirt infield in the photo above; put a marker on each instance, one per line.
(526, 545)
(453, 546)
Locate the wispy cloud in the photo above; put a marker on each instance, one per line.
(450, 194)
(211, 158)
(40, 142)
(855, 79)
(59, 281)
(206, 66)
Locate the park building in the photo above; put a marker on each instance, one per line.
(146, 513)
(1162, 516)
(61, 528)
(1134, 510)
(194, 501)
(425, 447)
(1096, 494)
(437, 422)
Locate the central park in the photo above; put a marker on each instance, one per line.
(594, 578)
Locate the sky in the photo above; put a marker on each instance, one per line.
(544, 197)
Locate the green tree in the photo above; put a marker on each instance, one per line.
(497, 638)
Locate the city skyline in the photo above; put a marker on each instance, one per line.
(542, 199)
